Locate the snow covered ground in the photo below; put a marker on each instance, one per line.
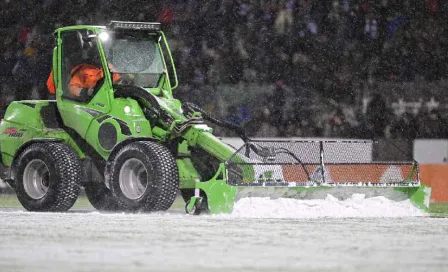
(261, 235)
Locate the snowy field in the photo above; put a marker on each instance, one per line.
(261, 235)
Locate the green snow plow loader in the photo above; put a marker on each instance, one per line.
(132, 146)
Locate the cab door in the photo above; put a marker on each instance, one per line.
(75, 51)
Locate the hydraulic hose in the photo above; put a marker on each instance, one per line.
(261, 151)
(222, 123)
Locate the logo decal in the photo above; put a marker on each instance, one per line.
(10, 130)
(13, 132)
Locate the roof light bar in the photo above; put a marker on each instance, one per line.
(134, 25)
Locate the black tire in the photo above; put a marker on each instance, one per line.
(187, 194)
(59, 171)
(100, 197)
(154, 168)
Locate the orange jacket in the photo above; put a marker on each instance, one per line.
(50, 83)
(83, 76)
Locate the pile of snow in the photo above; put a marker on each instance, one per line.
(356, 206)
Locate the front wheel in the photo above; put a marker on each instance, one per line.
(144, 177)
(47, 177)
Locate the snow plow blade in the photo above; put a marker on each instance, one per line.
(309, 170)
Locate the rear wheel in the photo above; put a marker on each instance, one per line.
(100, 197)
(48, 177)
(144, 177)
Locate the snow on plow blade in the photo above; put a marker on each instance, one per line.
(313, 170)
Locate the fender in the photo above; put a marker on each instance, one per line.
(126, 141)
(11, 173)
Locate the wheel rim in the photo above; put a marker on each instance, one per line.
(133, 178)
(36, 179)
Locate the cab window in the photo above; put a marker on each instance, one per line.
(82, 73)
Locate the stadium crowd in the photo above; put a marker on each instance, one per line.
(328, 53)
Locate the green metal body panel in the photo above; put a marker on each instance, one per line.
(419, 196)
(22, 123)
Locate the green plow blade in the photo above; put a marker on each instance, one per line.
(301, 170)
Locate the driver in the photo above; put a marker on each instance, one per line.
(84, 78)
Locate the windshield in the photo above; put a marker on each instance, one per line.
(135, 57)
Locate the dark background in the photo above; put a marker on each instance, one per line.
(299, 68)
